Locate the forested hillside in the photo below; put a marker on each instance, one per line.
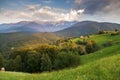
(9, 41)
(102, 64)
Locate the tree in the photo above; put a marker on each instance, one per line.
(65, 60)
(91, 47)
(1, 61)
(9, 65)
(18, 63)
(69, 47)
(46, 63)
(81, 50)
(95, 46)
(50, 50)
(116, 30)
(33, 62)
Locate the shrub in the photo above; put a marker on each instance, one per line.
(91, 47)
(65, 60)
(81, 50)
(81, 42)
(115, 33)
(70, 46)
(116, 30)
(101, 32)
(107, 44)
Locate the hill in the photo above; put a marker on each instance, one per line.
(9, 41)
(102, 64)
(99, 65)
(87, 27)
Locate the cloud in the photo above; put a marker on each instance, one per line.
(44, 13)
(72, 15)
(56, 14)
(113, 7)
(33, 7)
(94, 6)
(81, 11)
(103, 10)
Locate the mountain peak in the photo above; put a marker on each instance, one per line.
(35, 26)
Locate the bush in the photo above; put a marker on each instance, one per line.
(65, 60)
(115, 33)
(70, 46)
(81, 50)
(107, 44)
(91, 47)
(101, 32)
(81, 42)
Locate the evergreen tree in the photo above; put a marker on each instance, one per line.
(33, 62)
(46, 63)
(18, 63)
(10, 65)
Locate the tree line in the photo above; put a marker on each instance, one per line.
(48, 57)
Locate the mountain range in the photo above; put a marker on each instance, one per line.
(87, 27)
(30, 33)
(60, 28)
(35, 26)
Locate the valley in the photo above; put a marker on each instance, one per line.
(107, 58)
(98, 65)
(59, 39)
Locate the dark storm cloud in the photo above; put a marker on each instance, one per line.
(93, 6)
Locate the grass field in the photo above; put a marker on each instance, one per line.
(101, 65)
(100, 39)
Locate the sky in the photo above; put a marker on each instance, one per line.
(12, 11)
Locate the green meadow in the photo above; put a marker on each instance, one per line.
(101, 65)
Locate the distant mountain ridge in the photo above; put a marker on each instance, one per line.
(35, 26)
(59, 28)
(87, 27)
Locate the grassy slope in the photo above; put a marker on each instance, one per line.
(101, 65)
(104, 69)
(104, 38)
(100, 39)
(96, 66)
